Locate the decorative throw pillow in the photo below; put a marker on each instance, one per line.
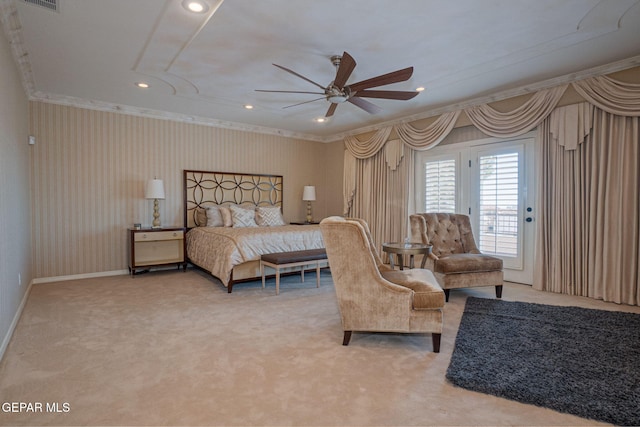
(243, 217)
(227, 220)
(200, 218)
(214, 217)
(269, 216)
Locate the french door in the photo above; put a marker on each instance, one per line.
(492, 181)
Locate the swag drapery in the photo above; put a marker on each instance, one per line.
(588, 230)
(383, 196)
(378, 184)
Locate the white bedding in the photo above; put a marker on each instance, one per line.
(219, 249)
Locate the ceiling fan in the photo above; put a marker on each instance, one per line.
(338, 92)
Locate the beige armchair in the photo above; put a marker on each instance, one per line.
(371, 296)
(455, 259)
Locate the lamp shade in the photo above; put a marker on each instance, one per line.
(309, 193)
(154, 190)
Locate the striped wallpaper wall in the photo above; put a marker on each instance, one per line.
(89, 170)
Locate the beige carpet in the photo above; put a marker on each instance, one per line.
(173, 348)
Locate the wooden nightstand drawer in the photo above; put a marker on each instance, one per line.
(144, 236)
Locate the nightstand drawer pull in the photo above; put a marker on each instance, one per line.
(158, 235)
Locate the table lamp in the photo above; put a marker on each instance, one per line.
(309, 195)
(155, 191)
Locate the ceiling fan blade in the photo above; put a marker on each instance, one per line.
(386, 94)
(305, 102)
(331, 110)
(384, 79)
(288, 91)
(299, 75)
(365, 105)
(347, 65)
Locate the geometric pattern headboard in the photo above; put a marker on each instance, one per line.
(203, 189)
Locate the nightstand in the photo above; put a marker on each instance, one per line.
(154, 247)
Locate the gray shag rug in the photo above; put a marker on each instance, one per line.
(580, 361)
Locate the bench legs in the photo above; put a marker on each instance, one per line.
(317, 274)
(277, 268)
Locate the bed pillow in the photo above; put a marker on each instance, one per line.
(227, 219)
(243, 217)
(214, 217)
(200, 218)
(269, 216)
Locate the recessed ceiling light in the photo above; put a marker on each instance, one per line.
(142, 85)
(419, 89)
(195, 6)
(248, 107)
(321, 119)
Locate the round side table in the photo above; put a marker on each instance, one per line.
(402, 249)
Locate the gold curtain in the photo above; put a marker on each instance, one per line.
(589, 211)
(588, 214)
(382, 195)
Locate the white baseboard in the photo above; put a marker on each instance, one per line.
(14, 323)
(79, 276)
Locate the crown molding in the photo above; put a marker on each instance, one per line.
(165, 115)
(13, 29)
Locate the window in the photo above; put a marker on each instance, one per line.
(498, 203)
(440, 186)
(492, 181)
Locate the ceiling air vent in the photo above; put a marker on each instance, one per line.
(47, 4)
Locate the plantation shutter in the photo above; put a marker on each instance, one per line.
(499, 204)
(440, 186)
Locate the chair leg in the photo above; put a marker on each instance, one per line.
(347, 338)
(498, 291)
(446, 295)
(435, 338)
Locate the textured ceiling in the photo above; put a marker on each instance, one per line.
(206, 67)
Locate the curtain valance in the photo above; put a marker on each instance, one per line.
(490, 121)
(570, 125)
(518, 121)
(364, 149)
(431, 136)
(604, 92)
(611, 95)
(418, 139)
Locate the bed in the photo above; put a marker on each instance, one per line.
(222, 240)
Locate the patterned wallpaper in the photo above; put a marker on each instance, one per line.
(89, 170)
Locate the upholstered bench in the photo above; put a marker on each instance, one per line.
(293, 259)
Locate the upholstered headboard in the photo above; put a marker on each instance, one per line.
(203, 189)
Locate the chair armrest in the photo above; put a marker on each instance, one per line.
(418, 229)
(383, 268)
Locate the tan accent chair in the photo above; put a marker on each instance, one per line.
(371, 296)
(455, 259)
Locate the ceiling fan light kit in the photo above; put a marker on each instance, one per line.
(338, 92)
